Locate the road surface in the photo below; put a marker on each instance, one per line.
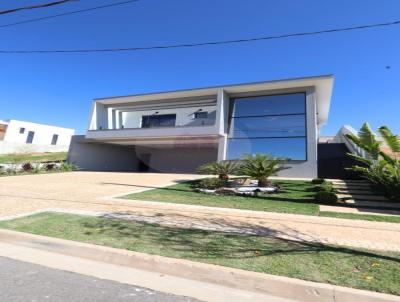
(26, 282)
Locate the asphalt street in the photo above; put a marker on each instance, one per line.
(22, 282)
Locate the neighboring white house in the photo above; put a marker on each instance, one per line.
(25, 137)
(178, 131)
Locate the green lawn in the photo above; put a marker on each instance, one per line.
(294, 197)
(35, 157)
(356, 268)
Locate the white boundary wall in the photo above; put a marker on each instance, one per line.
(15, 139)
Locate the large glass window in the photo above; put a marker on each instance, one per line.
(273, 125)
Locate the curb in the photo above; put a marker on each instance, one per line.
(230, 277)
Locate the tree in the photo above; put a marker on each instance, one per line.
(381, 169)
(366, 140)
(392, 141)
(261, 167)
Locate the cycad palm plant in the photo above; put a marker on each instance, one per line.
(261, 167)
(222, 169)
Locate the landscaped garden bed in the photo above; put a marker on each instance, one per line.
(293, 197)
(370, 270)
(25, 164)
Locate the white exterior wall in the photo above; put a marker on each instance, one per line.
(15, 142)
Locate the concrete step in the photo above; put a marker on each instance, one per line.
(362, 197)
(351, 187)
(359, 183)
(355, 191)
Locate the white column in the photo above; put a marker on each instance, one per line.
(117, 120)
(110, 118)
(221, 123)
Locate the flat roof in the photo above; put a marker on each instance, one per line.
(323, 87)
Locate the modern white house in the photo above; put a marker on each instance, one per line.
(179, 130)
(26, 137)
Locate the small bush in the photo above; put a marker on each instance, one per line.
(50, 167)
(37, 169)
(27, 167)
(318, 181)
(326, 197)
(325, 187)
(319, 188)
(211, 183)
(66, 167)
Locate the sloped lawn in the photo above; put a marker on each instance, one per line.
(349, 267)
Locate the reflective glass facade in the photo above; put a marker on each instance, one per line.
(273, 125)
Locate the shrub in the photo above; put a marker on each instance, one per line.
(37, 168)
(27, 167)
(67, 167)
(2, 170)
(318, 181)
(50, 167)
(325, 187)
(211, 183)
(326, 197)
(261, 167)
(319, 188)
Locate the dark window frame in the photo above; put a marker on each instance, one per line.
(54, 139)
(305, 114)
(22, 130)
(30, 137)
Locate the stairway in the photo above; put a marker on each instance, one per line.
(358, 193)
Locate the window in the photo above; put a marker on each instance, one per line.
(22, 130)
(54, 139)
(273, 125)
(162, 120)
(30, 136)
(200, 114)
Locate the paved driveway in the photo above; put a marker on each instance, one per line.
(77, 190)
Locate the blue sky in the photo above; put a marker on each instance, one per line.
(58, 88)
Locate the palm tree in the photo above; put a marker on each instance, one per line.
(366, 140)
(222, 169)
(392, 141)
(380, 168)
(261, 167)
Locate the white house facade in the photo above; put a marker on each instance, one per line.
(26, 137)
(180, 130)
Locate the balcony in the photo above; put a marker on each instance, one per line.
(185, 119)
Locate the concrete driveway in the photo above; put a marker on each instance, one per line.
(76, 190)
